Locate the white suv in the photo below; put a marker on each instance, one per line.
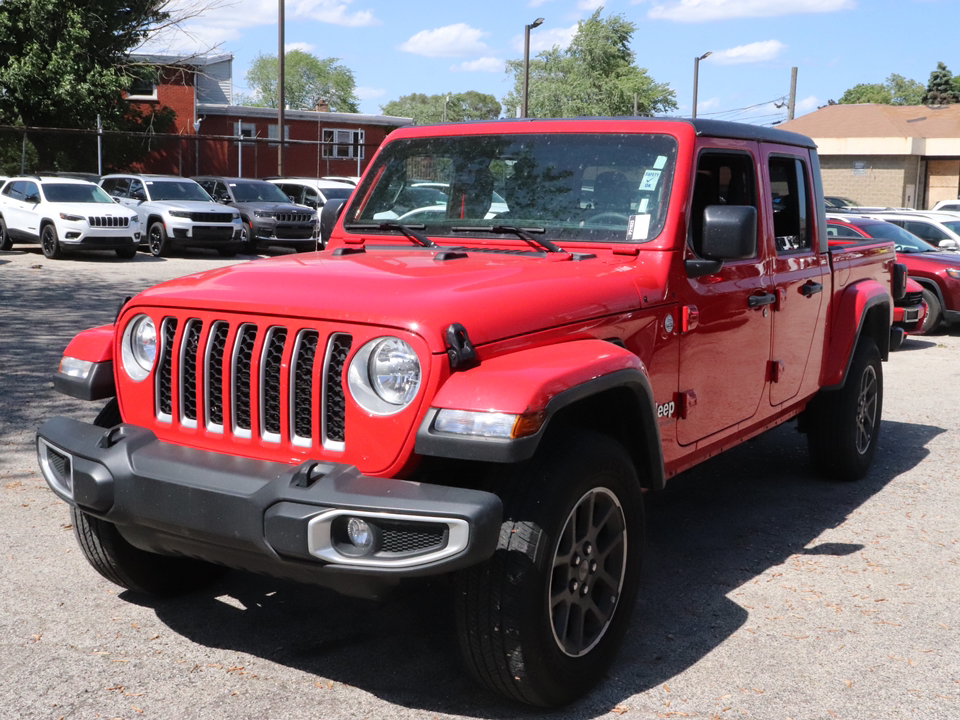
(176, 212)
(65, 214)
(311, 191)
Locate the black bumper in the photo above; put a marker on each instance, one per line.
(264, 516)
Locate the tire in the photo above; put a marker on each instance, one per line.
(127, 566)
(542, 620)
(934, 312)
(6, 243)
(126, 253)
(247, 247)
(157, 240)
(844, 425)
(50, 243)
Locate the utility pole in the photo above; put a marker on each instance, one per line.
(281, 100)
(526, 63)
(696, 78)
(792, 102)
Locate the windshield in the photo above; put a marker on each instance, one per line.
(585, 187)
(258, 192)
(906, 242)
(952, 225)
(177, 190)
(75, 193)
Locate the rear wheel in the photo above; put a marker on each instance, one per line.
(157, 240)
(246, 243)
(5, 242)
(843, 425)
(542, 620)
(123, 564)
(50, 243)
(934, 312)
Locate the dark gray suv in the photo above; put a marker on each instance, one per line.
(269, 218)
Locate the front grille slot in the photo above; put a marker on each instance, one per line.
(408, 538)
(109, 221)
(253, 380)
(242, 368)
(168, 333)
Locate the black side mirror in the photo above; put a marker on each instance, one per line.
(729, 233)
(328, 219)
(138, 195)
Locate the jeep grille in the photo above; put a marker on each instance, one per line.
(108, 221)
(280, 383)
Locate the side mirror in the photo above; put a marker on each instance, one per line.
(729, 233)
(328, 219)
(949, 244)
(32, 198)
(139, 196)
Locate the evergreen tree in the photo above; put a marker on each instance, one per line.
(941, 89)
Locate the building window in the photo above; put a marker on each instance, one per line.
(343, 144)
(272, 133)
(141, 89)
(249, 130)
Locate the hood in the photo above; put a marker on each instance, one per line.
(194, 206)
(276, 207)
(493, 295)
(96, 210)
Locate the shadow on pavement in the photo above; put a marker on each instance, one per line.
(714, 528)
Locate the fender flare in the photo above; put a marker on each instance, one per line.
(546, 379)
(857, 303)
(94, 346)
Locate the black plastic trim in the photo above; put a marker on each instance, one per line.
(96, 386)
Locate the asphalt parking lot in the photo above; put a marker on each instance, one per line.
(768, 593)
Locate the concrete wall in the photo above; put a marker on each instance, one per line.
(884, 180)
(944, 181)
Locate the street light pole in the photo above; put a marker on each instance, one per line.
(696, 77)
(526, 62)
(281, 100)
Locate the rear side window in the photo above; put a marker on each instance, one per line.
(722, 179)
(790, 199)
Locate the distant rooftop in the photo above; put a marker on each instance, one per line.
(879, 121)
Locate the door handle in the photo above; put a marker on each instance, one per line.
(760, 300)
(810, 288)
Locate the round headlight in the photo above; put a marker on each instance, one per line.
(394, 371)
(139, 347)
(384, 375)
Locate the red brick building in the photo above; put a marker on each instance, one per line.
(217, 137)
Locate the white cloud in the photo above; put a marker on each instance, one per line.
(707, 105)
(709, 10)
(806, 105)
(590, 5)
(305, 47)
(458, 40)
(369, 93)
(334, 12)
(754, 52)
(537, 3)
(484, 64)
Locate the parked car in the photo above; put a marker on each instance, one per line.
(268, 216)
(312, 192)
(483, 400)
(836, 202)
(940, 229)
(65, 214)
(910, 311)
(948, 205)
(176, 212)
(938, 272)
(349, 179)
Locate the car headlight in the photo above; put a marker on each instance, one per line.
(180, 214)
(263, 213)
(384, 376)
(954, 273)
(139, 347)
(72, 218)
(235, 217)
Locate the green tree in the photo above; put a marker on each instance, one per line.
(904, 90)
(595, 75)
(308, 82)
(896, 90)
(64, 62)
(449, 107)
(941, 89)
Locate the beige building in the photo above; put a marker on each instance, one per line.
(897, 156)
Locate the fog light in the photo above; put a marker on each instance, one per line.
(360, 533)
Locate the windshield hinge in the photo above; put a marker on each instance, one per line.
(460, 350)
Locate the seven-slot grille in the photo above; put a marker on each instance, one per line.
(281, 383)
(292, 217)
(107, 221)
(211, 217)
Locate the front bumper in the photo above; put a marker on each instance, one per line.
(265, 516)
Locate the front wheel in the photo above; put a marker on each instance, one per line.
(542, 620)
(6, 242)
(121, 563)
(843, 425)
(50, 243)
(157, 240)
(934, 312)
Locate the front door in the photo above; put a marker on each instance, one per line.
(726, 319)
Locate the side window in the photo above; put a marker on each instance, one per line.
(18, 190)
(293, 191)
(925, 231)
(207, 185)
(312, 198)
(722, 179)
(220, 191)
(31, 193)
(791, 204)
(137, 191)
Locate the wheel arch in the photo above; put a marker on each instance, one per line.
(868, 307)
(931, 285)
(589, 384)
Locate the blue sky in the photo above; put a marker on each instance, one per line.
(433, 46)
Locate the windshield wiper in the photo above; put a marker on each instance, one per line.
(409, 230)
(522, 233)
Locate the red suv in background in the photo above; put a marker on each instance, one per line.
(938, 272)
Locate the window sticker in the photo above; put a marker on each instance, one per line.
(638, 228)
(650, 180)
(642, 208)
(660, 163)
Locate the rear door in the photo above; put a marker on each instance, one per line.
(725, 319)
(800, 270)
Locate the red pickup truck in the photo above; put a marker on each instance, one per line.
(485, 385)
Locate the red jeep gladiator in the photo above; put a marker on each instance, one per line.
(516, 329)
